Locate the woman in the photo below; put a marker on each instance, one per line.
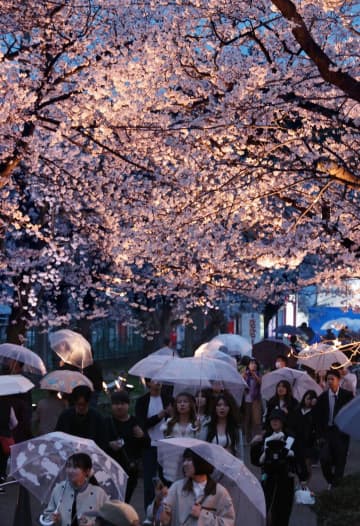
(252, 400)
(304, 428)
(203, 403)
(279, 459)
(197, 498)
(284, 400)
(78, 495)
(223, 428)
(183, 422)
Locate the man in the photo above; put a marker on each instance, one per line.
(126, 439)
(150, 410)
(81, 420)
(333, 443)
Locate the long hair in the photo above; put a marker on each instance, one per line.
(207, 394)
(232, 423)
(288, 397)
(176, 416)
(310, 393)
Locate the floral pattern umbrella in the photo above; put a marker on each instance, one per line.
(38, 464)
(64, 381)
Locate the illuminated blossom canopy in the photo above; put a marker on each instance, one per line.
(183, 149)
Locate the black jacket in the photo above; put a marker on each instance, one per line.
(141, 409)
(321, 410)
(90, 426)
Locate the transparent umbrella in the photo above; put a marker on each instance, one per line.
(300, 382)
(38, 464)
(244, 488)
(321, 356)
(233, 344)
(201, 372)
(10, 353)
(348, 418)
(14, 384)
(203, 350)
(71, 347)
(150, 365)
(64, 381)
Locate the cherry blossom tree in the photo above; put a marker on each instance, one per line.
(193, 147)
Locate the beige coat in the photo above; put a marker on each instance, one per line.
(216, 510)
(88, 501)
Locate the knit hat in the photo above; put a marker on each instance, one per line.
(118, 513)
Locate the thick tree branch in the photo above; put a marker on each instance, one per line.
(327, 69)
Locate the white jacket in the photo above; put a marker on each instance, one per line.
(89, 501)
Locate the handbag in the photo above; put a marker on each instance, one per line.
(304, 496)
(5, 443)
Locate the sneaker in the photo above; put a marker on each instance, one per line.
(329, 487)
(2, 491)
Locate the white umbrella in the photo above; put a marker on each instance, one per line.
(14, 384)
(17, 353)
(150, 365)
(300, 382)
(203, 350)
(244, 488)
(71, 347)
(348, 418)
(201, 372)
(321, 356)
(64, 381)
(233, 344)
(38, 464)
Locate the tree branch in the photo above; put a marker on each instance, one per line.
(327, 69)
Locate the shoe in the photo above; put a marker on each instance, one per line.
(2, 491)
(329, 487)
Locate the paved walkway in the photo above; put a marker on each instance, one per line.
(301, 515)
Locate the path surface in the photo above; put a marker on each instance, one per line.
(301, 515)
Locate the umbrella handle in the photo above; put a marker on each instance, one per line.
(61, 498)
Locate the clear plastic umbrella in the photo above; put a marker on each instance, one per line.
(71, 347)
(245, 490)
(321, 356)
(150, 365)
(300, 382)
(64, 381)
(203, 350)
(233, 344)
(348, 418)
(166, 351)
(38, 464)
(11, 353)
(14, 384)
(201, 372)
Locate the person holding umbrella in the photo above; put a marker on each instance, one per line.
(75, 497)
(197, 498)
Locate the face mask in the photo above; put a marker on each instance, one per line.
(278, 365)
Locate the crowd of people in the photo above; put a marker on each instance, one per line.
(285, 436)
